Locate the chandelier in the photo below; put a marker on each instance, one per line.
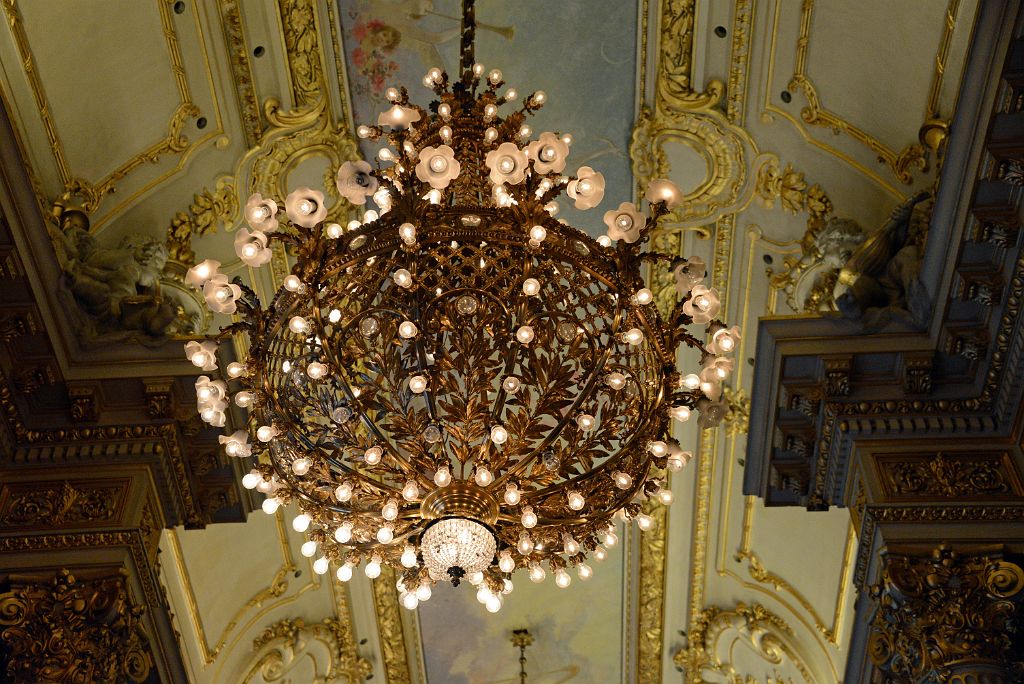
(460, 385)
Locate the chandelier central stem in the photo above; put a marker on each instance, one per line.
(467, 51)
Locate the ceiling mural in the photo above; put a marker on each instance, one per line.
(793, 145)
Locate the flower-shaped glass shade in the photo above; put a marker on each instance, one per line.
(688, 273)
(507, 164)
(215, 417)
(398, 117)
(548, 153)
(305, 207)
(438, 166)
(703, 304)
(711, 413)
(355, 181)
(252, 248)
(624, 223)
(716, 368)
(664, 191)
(236, 444)
(221, 295)
(210, 391)
(724, 340)
(203, 354)
(587, 189)
(201, 272)
(261, 213)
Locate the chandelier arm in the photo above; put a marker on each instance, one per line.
(467, 48)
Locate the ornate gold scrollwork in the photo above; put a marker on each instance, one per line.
(65, 629)
(291, 643)
(948, 617)
(389, 628)
(209, 209)
(950, 476)
(56, 504)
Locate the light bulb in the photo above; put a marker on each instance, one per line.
(251, 479)
(604, 241)
(529, 518)
(372, 568)
(444, 110)
(407, 232)
(385, 154)
(499, 435)
(300, 466)
(512, 495)
(510, 94)
(443, 477)
(408, 559)
(343, 534)
(417, 384)
(490, 111)
(634, 336)
(244, 399)
(483, 476)
(644, 522)
(344, 492)
(531, 287)
(363, 131)
(423, 592)
(271, 505)
(511, 384)
(537, 573)
(680, 413)
(476, 578)
(490, 135)
(610, 539)
(298, 325)
(538, 233)
(525, 544)
(615, 380)
(308, 549)
(316, 370)
(392, 94)
(372, 455)
(321, 565)
(390, 510)
(407, 330)
(235, 369)
(584, 571)
(622, 480)
(505, 561)
(586, 422)
(569, 545)
(525, 131)
(493, 603)
(334, 231)
(657, 448)
(524, 334)
(494, 77)
(665, 497)
(344, 573)
(410, 491)
(691, 381)
(386, 534)
(562, 578)
(446, 137)
(403, 278)
(600, 553)
(576, 500)
(300, 523)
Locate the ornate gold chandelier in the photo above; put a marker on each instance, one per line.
(460, 385)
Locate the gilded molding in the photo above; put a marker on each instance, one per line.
(912, 636)
(948, 476)
(393, 646)
(241, 70)
(291, 642)
(55, 504)
(208, 210)
(62, 628)
(302, 44)
(651, 620)
(715, 633)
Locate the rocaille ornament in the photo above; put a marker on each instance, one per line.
(461, 385)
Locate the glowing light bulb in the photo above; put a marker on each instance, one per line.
(680, 413)
(444, 110)
(562, 578)
(300, 467)
(343, 534)
(407, 330)
(410, 491)
(390, 510)
(251, 479)
(615, 380)
(386, 534)
(645, 522)
(538, 233)
(658, 448)
(584, 571)
(417, 384)
(525, 544)
(408, 558)
(529, 518)
(265, 433)
(600, 553)
(363, 132)
(483, 476)
(372, 568)
(344, 492)
(490, 135)
(334, 231)
(537, 573)
(407, 232)
(235, 369)
(604, 241)
(499, 435)
(569, 545)
(308, 549)
(271, 505)
(321, 565)
(344, 573)
(493, 604)
(665, 497)
(372, 455)
(576, 500)
(524, 334)
(505, 561)
(634, 336)
(531, 287)
(423, 592)
(586, 422)
(512, 495)
(300, 523)
(443, 477)
(403, 278)
(622, 480)
(298, 325)
(538, 98)
(316, 370)
(511, 384)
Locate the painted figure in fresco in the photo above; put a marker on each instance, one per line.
(385, 25)
(879, 281)
(117, 287)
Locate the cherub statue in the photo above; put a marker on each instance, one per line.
(880, 281)
(118, 288)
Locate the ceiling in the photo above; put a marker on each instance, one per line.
(161, 117)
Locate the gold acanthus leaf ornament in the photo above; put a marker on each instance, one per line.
(208, 210)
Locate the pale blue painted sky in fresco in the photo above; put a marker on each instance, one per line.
(582, 53)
